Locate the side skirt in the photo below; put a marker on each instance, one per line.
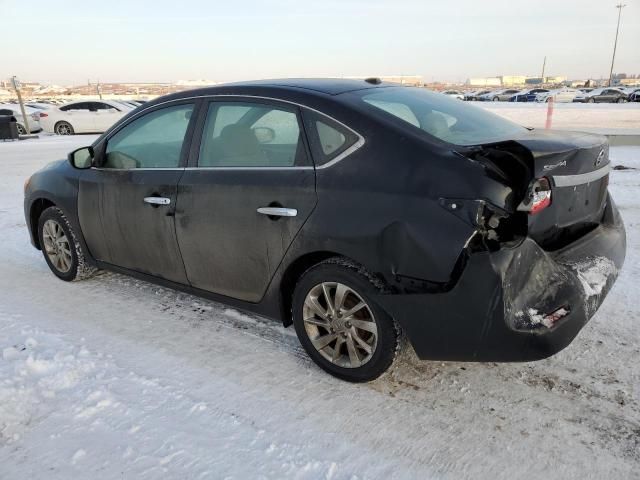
(263, 308)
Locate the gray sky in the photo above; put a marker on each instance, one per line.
(72, 41)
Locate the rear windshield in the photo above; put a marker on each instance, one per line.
(446, 118)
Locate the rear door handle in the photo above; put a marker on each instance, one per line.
(157, 200)
(278, 211)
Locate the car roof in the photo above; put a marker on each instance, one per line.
(329, 86)
(307, 86)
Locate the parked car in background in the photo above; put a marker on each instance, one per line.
(93, 116)
(245, 194)
(498, 95)
(635, 95)
(602, 95)
(473, 96)
(33, 120)
(528, 95)
(560, 95)
(39, 105)
(454, 94)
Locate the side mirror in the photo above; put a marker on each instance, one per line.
(82, 158)
(264, 134)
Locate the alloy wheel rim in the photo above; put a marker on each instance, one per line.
(340, 324)
(64, 129)
(56, 246)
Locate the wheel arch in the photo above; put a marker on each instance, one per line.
(37, 207)
(291, 276)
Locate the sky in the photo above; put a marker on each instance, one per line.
(70, 42)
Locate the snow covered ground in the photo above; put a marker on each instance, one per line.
(117, 378)
(604, 118)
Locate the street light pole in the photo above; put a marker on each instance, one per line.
(620, 6)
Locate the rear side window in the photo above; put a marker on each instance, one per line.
(151, 141)
(75, 106)
(331, 139)
(328, 138)
(242, 134)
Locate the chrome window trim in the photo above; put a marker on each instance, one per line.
(356, 146)
(582, 178)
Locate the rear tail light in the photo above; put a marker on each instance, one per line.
(541, 195)
(42, 115)
(538, 196)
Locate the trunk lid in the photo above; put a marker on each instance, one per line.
(577, 165)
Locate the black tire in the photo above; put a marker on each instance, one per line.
(79, 268)
(63, 128)
(495, 99)
(21, 129)
(621, 100)
(365, 285)
(591, 100)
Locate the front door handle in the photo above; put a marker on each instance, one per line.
(278, 211)
(157, 200)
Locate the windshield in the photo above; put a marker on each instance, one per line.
(445, 118)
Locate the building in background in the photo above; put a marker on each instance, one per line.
(484, 82)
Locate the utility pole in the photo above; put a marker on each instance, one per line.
(16, 86)
(620, 6)
(544, 64)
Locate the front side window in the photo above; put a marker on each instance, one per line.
(152, 141)
(438, 115)
(238, 134)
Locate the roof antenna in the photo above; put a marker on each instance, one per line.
(373, 80)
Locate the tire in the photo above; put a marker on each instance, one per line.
(591, 100)
(495, 99)
(621, 100)
(21, 129)
(60, 247)
(339, 344)
(63, 128)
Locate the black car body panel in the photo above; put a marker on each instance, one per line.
(440, 225)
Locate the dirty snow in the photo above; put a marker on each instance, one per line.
(593, 274)
(117, 378)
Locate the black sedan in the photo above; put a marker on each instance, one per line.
(357, 211)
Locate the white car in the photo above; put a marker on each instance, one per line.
(86, 116)
(32, 113)
(560, 95)
(454, 94)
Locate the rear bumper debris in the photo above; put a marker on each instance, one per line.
(519, 303)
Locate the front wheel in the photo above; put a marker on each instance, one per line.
(339, 325)
(591, 100)
(495, 99)
(64, 128)
(60, 247)
(622, 100)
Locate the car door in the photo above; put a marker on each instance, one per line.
(248, 191)
(126, 203)
(105, 115)
(80, 117)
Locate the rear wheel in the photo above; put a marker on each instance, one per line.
(621, 100)
(21, 130)
(339, 325)
(64, 128)
(60, 247)
(495, 99)
(591, 100)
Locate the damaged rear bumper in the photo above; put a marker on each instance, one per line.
(498, 310)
